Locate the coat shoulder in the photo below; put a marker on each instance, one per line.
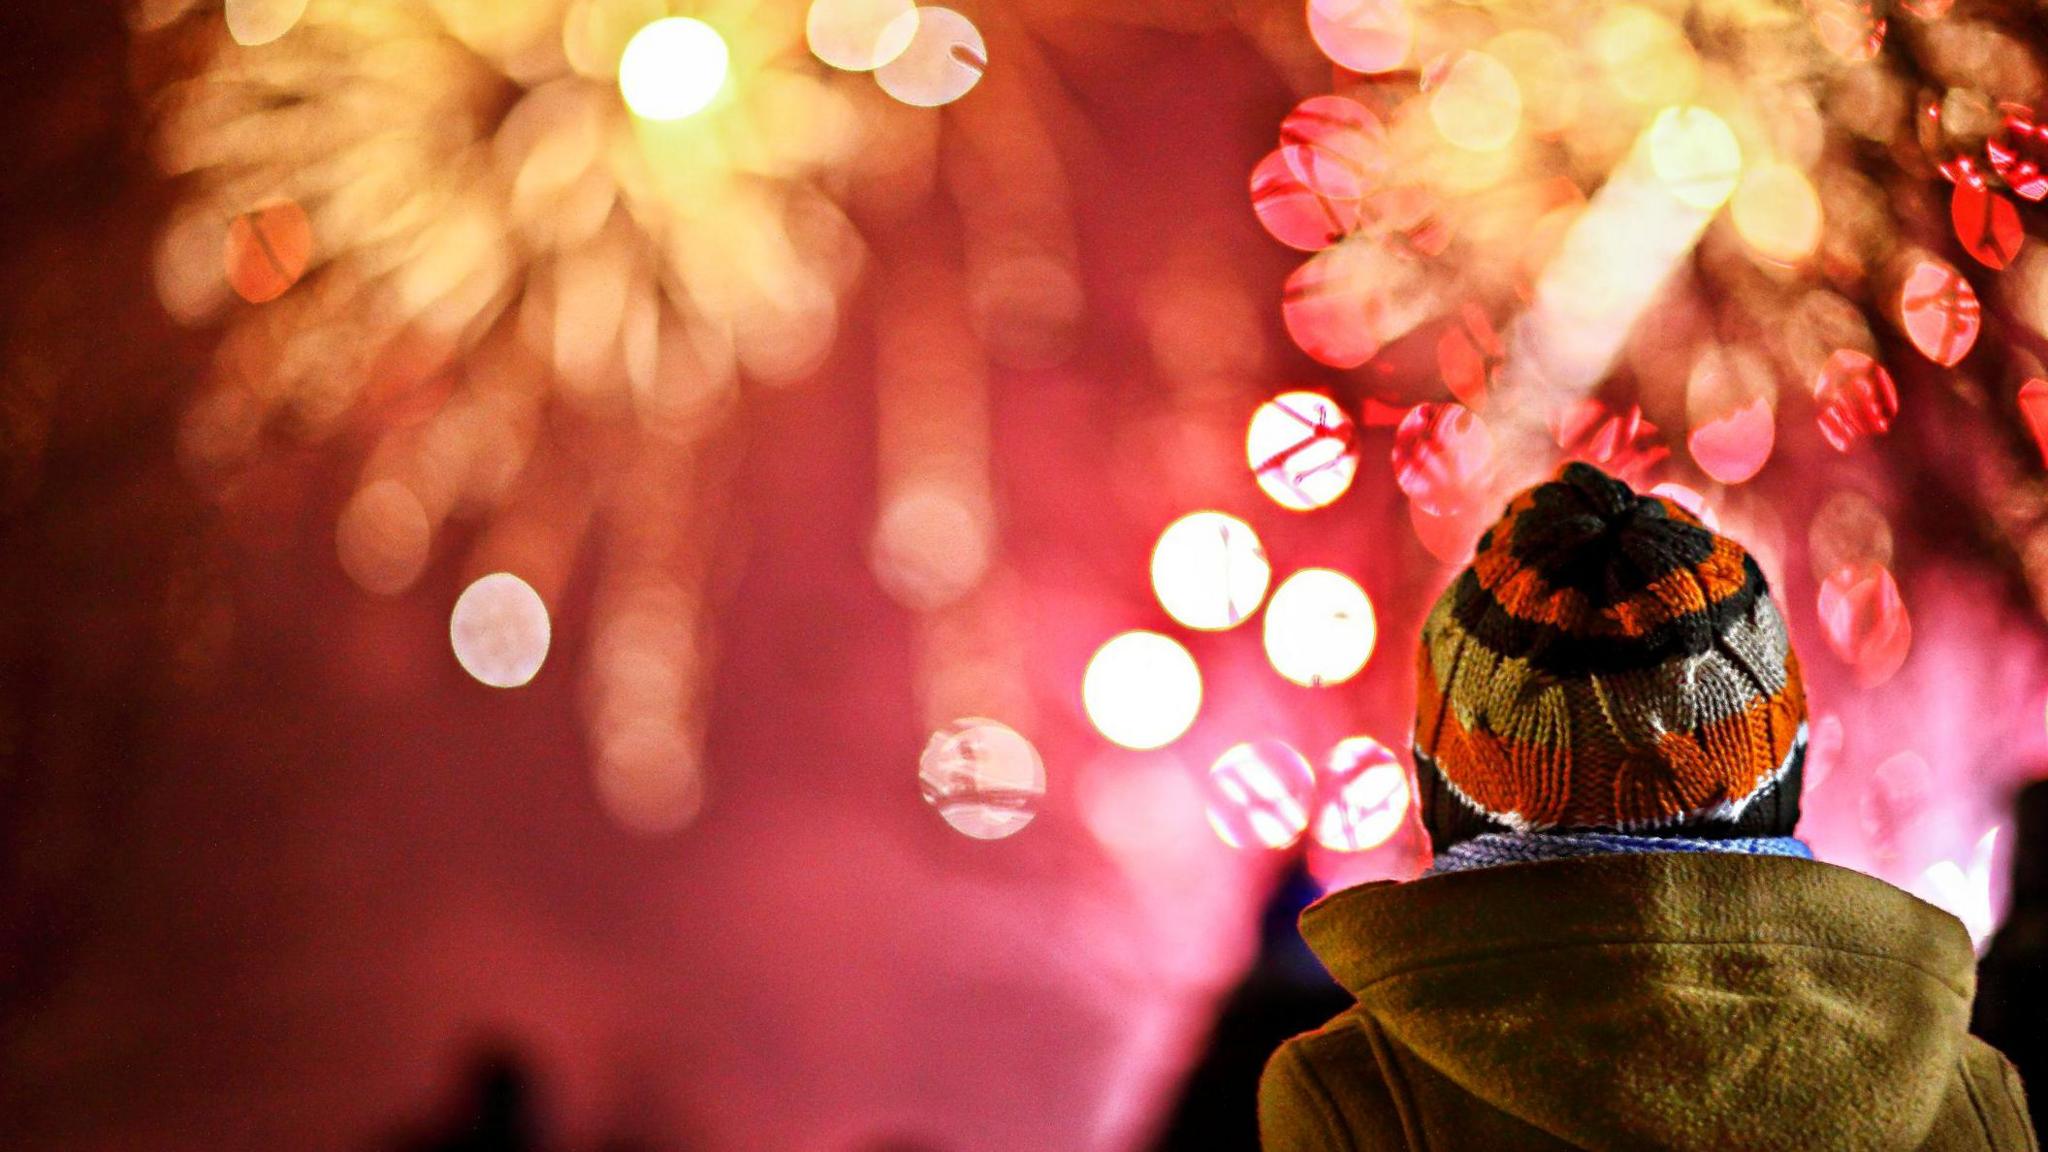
(1326, 1091)
(2000, 1101)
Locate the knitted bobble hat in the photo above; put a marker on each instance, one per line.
(1607, 663)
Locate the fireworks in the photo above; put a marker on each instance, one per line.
(527, 255)
(1616, 223)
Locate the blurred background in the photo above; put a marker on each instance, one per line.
(647, 574)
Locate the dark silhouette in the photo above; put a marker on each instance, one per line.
(1286, 993)
(495, 1111)
(2012, 979)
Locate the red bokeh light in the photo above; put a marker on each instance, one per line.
(1301, 212)
(1622, 443)
(1335, 145)
(1986, 223)
(1733, 447)
(1855, 398)
(2033, 401)
(1362, 35)
(1442, 457)
(1939, 311)
(1865, 621)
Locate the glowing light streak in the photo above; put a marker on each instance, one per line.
(1615, 256)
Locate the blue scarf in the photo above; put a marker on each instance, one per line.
(1493, 848)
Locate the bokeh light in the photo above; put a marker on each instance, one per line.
(982, 776)
(1986, 223)
(1695, 155)
(649, 777)
(859, 35)
(500, 630)
(1690, 500)
(1366, 796)
(267, 250)
(1730, 399)
(932, 544)
(1308, 211)
(1853, 398)
(1622, 443)
(1733, 447)
(1303, 450)
(1443, 457)
(1547, 76)
(2032, 399)
(1336, 146)
(382, 537)
(1643, 56)
(1362, 35)
(673, 68)
(944, 57)
(254, 22)
(1777, 212)
(1451, 537)
(1347, 301)
(1939, 311)
(1258, 795)
(1209, 570)
(1320, 628)
(1476, 104)
(1142, 690)
(1865, 621)
(1851, 29)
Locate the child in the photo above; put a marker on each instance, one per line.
(1620, 944)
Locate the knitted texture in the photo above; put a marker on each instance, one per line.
(1607, 663)
(1508, 848)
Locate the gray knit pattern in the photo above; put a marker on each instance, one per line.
(1496, 848)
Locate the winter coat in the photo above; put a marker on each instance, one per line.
(1683, 1002)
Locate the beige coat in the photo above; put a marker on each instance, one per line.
(1689, 1002)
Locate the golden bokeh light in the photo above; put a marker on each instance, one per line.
(673, 68)
(1644, 57)
(1695, 155)
(1777, 212)
(1142, 690)
(1477, 105)
(254, 22)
